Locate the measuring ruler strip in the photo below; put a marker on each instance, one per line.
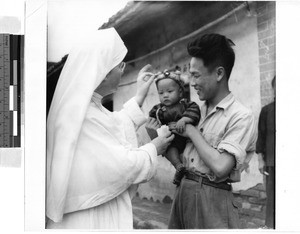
(7, 74)
(5, 64)
(16, 80)
(11, 127)
(17, 138)
(11, 47)
(14, 85)
(2, 90)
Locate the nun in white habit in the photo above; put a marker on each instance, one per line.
(93, 161)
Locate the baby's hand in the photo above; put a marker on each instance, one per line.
(180, 126)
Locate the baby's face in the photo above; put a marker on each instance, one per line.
(169, 92)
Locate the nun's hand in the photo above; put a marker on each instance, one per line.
(162, 142)
(144, 80)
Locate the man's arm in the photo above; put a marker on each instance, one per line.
(220, 163)
(180, 124)
(231, 151)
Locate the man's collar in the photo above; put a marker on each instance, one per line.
(225, 102)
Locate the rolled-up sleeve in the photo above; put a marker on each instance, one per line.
(240, 138)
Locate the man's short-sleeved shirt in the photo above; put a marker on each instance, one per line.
(228, 127)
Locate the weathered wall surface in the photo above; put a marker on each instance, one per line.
(266, 24)
(252, 29)
(253, 32)
(244, 83)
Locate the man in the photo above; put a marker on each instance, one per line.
(265, 148)
(218, 146)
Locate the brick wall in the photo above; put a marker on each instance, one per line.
(243, 32)
(149, 214)
(252, 202)
(266, 27)
(252, 207)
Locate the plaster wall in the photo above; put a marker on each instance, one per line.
(244, 84)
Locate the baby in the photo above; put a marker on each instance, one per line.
(174, 108)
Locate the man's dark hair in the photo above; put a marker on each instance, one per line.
(215, 50)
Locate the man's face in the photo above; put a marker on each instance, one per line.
(203, 80)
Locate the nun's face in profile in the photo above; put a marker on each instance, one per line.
(114, 76)
(112, 80)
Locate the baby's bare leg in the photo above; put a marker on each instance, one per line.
(172, 155)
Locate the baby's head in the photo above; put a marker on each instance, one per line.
(170, 87)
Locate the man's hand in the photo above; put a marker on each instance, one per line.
(151, 126)
(185, 133)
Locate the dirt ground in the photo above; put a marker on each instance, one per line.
(148, 214)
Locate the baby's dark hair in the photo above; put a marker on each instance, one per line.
(173, 75)
(215, 50)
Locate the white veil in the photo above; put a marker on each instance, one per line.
(86, 67)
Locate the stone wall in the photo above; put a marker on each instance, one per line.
(252, 206)
(253, 201)
(155, 215)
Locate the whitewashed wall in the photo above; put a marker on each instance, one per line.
(244, 84)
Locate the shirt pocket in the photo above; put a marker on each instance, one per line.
(212, 139)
